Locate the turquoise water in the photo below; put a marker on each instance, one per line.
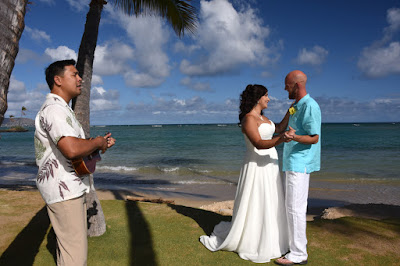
(201, 154)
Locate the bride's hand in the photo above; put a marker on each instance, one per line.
(289, 135)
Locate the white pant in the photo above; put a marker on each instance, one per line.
(296, 194)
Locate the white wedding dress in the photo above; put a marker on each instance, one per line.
(258, 231)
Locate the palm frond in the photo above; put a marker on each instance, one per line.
(179, 13)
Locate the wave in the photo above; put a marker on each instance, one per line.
(199, 182)
(118, 168)
(16, 163)
(154, 169)
(169, 169)
(132, 180)
(202, 171)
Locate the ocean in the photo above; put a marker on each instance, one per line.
(162, 156)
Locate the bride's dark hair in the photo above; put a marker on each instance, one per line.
(249, 99)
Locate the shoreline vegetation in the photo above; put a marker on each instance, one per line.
(15, 129)
(145, 229)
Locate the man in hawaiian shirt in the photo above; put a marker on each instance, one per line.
(59, 138)
(301, 156)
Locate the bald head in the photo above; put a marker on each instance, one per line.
(295, 84)
(296, 76)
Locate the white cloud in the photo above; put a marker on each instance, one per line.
(182, 107)
(393, 19)
(37, 35)
(96, 80)
(196, 86)
(382, 58)
(16, 91)
(314, 56)
(25, 55)
(380, 62)
(385, 109)
(19, 95)
(61, 53)
(141, 80)
(112, 58)
(183, 110)
(102, 100)
(181, 47)
(229, 38)
(149, 34)
(79, 5)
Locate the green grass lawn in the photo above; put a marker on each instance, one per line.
(140, 233)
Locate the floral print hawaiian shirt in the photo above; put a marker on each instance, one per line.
(56, 178)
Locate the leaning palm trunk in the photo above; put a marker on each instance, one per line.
(81, 106)
(181, 16)
(12, 13)
(95, 216)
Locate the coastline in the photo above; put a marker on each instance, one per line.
(362, 198)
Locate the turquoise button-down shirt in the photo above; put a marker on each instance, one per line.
(298, 157)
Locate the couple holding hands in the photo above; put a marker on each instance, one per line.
(269, 214)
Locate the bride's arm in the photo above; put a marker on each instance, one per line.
(250, 128)
(281, 127)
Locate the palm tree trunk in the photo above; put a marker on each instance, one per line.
(12, 24)
(81, 106)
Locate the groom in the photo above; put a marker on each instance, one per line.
(301, 156)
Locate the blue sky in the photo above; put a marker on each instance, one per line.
(145, 74)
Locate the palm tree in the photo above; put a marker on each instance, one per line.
(12, 23)
(23, 109)
(179, 13)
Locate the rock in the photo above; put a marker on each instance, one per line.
(368, 211)
(336, 213)
(222, 207)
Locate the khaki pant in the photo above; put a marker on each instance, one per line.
(69, 222)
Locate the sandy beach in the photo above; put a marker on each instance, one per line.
(347, 198)
(329, 198)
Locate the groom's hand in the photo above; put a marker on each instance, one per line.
(289, 135)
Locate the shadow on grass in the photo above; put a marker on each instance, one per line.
(142, 252)
(52, 244)
(356, 226)
(205, 219)
(24, 248)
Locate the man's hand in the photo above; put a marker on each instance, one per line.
(304, 139)
(102, 143)
(110, 140)
(289, 135)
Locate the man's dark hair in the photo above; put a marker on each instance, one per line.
(57, 69)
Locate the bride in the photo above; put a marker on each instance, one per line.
(258, 230)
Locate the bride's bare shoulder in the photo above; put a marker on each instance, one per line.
(248, 118)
